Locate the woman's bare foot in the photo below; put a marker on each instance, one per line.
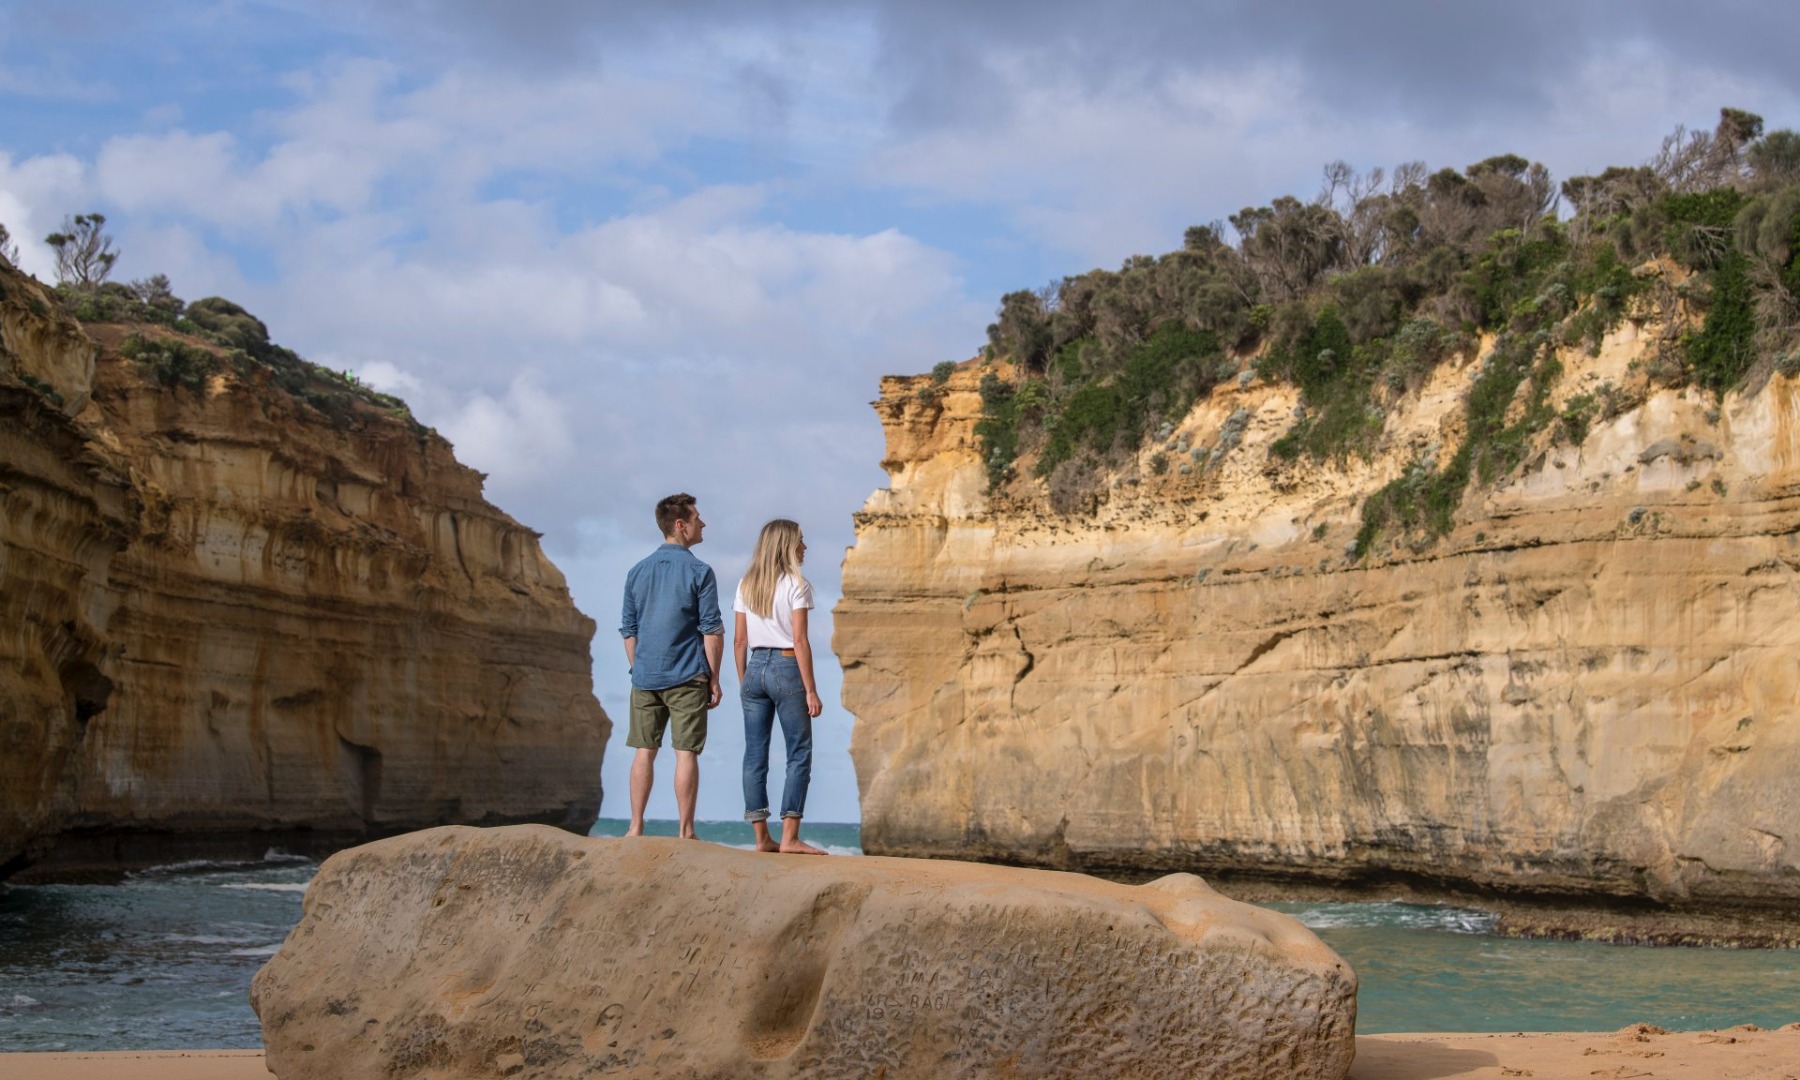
(791, 843)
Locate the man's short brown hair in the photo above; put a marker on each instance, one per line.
(679, 507)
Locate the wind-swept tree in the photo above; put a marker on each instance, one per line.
(9, 251)
(1288, 244)
(84, 253)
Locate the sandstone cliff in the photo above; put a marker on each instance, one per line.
(229, 621)
(1586, 690)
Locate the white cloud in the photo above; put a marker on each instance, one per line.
(520, 439)
(35, 195)
(1112, 167)
(380, 374)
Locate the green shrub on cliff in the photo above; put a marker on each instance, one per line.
(1424, 500)
(1356, 296)
(173, 362)
(230, 325)
(998, 428)
(150, 300)
(1161, 378)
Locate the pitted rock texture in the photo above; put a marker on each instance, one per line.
(1590, 689)
(228, 622)
(469, 954)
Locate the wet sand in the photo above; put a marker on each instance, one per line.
(1640, 1052)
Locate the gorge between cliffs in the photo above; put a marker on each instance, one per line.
(1582, 695)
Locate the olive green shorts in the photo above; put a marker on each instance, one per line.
(683, 706)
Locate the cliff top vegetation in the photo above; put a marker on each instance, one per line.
(182, 345)
(1355, 295)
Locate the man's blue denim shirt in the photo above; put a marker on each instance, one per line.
(671, 600)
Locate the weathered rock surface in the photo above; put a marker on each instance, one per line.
(1590, 689)
(463, 953)
(227, 621)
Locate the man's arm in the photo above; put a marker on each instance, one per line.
(715, 653)
(628, 621)
(712, 629)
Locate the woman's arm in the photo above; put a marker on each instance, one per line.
(740, 645)
(803, 654)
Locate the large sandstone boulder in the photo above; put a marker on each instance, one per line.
(524, 951)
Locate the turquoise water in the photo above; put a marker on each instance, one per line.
(1436, 968)
(163, 960)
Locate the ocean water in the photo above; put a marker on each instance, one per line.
(163, 960)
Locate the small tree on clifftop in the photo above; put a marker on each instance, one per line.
(84, 253)
(9, 251)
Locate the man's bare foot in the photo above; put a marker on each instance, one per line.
(767, 843)
(798, 847)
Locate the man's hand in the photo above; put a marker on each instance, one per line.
(714, 693)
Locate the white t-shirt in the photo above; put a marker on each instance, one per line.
(777, 631)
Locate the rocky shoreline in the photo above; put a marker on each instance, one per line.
(1622, 921)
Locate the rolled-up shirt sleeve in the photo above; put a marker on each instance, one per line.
(628, 617)
(710, 620)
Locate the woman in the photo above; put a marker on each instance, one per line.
(775, 678)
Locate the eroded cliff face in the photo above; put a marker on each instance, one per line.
(1587, 690)
(227, 621)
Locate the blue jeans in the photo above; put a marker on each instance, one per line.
(771, 688)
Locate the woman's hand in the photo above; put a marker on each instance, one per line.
(813, 705)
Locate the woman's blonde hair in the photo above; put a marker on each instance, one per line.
(777, 553)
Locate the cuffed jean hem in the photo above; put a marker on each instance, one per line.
(772, 689)
(758, 815)
(790, 814)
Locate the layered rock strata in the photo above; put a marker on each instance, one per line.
(1589, 690)
(228, 621)
(490, 953)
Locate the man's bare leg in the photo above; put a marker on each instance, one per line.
(764, 842)
(790, 839)
(643, 771)
(687, 790)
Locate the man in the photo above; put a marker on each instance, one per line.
(674, 642)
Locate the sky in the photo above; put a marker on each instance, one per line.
(614, 251)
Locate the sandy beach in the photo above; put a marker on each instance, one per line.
(1640, 1052)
